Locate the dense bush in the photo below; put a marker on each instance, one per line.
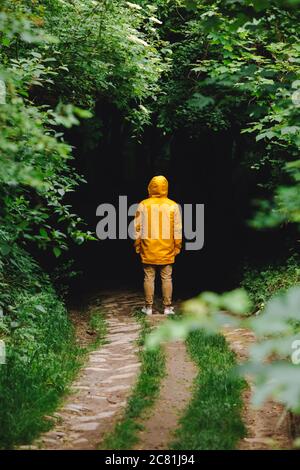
(57, 59)
(235, 68)
(56, 56)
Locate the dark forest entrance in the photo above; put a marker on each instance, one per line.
(203, 169)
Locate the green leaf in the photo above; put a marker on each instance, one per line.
(5, 42)
(5, 249)
(43, 233)
(57, 252)
(40, 308)
(236, 301)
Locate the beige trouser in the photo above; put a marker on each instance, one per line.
(166, 281)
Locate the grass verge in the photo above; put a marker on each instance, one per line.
(125, 434)
(213, 419)
(42, 357)
(38, 374)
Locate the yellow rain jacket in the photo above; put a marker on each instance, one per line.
(158, 227)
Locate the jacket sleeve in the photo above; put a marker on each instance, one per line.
(138, 228)
(177, 229)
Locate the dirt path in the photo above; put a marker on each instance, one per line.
(268, 427)
(175, 394)
(100, 393)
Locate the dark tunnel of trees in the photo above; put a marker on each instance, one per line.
(203, 169)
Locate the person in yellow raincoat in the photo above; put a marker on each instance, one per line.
(158, 240)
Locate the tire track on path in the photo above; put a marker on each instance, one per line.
(268, 426)
(161, 421)
(103, 386)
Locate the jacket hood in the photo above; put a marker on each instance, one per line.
(158, 187)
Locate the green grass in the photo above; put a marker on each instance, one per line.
(42, 355)
(213, 418)
(42, 362)
(98, 325)
(42, 359)
(125, 434)
(263, 283)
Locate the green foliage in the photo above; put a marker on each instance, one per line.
(35, 171)
(207, 310)
(274, 357)
(261, 284)
(194, 65)
(235, 67)
(98, 325)
(213, 418)
(57, 52)
(42, 356)
(277, 331)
